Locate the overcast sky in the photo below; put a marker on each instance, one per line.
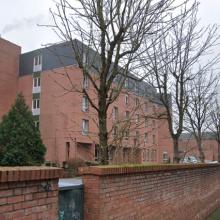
(19, 19)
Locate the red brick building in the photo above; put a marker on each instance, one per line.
(66, 121)
(188, 146)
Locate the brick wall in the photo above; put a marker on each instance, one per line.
(23, 197)
(172, 192)
(9, 65)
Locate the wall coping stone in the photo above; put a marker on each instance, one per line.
(126, 169)
(29, 173)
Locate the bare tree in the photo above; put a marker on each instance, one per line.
(215, 124)
(202, 94)
(173, 63)
(111, 32)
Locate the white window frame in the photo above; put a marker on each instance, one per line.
(37, 124)
(36, 106)
(36, 85)
(165, 156)
(85, 104)
(84, 58)
(126, 83)
(85, 127)
(37, 63)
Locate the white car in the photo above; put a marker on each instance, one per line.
(190, 159)
(211, 161)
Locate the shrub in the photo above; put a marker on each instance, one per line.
(20, 141)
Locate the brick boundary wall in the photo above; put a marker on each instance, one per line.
(163, 192)
(29, 193)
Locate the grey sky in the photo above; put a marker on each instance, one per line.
(19, 19)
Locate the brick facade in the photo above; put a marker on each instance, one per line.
(23, 196)
(9, 73)
(60, 115)
(209, 146)
(172, 192)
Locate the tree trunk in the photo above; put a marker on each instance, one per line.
(219, 151)
(201, 153)
(103, 133)
(176, 158)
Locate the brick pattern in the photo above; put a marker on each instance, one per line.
(179, 193)
(22, 196)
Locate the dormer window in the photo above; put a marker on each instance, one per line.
(37, 66)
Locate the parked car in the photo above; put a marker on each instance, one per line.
(190, 159)
(211, 161)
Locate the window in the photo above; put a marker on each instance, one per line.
(67, 150)
(153, 139)
(85, 104)
(36, 124)
(115, 130)
(115, 113)
(145, 107)
(165, 156)
(148, 155)
(144, 154)
(84, 58)
(126, 134)
(152, 155)
(153, 123)
(146, 122)
(37, 65)
(145, 137)
(97, 152)
(36, 85)
(137, 138)
(127, 114)
(155, 155)
(136, 101)
(36, 104)
(85, 82)
(115, 80)
(36, 82)
(137, 118)
(126, 83)
(37, 60)
(126, 99)
(136, 86)
(85, 127)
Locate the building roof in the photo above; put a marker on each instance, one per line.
(61, 54)
(205, 136)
